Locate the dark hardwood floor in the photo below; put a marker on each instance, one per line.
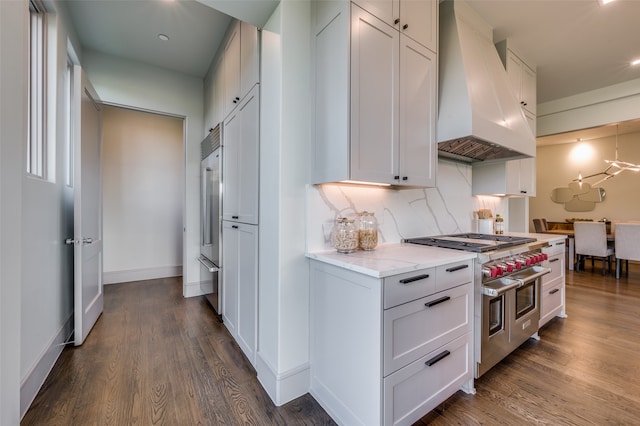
(157, 358)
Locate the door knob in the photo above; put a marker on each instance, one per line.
(71, 241)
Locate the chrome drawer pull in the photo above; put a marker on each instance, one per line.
(456, 268)
(412, 279)
(437, 301)
(437, 358)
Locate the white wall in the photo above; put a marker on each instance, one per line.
(13, 118)
(283, 341)
(46, 282)
(139, 86)
(143, 183)
(557, 165)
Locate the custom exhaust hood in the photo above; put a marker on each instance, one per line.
(479, 118)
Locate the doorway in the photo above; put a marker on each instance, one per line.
(143, 193)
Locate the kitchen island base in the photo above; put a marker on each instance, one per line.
(374, 364)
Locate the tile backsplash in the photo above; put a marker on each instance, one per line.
(404, 213)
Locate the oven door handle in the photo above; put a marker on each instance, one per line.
(540, 271)
(495, 292)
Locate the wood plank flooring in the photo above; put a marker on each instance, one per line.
(157, 358)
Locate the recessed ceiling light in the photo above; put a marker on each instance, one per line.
(603, 2)
(635, 62)
(163, 37)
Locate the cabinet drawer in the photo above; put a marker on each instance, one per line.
(551, 300)
(416, 328)
(403, 288)
(555, 247)
(454, 274)
(413, 391)
(556, 264)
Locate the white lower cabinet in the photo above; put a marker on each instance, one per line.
(552, 299)
(240, 284)
(387, 351)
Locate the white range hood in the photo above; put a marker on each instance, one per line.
(479, 117)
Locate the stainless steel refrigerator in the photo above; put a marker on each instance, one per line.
(211, 217)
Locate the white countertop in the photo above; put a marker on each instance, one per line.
(391, 259)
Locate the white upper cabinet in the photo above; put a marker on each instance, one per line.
(249, 58)
(514, 177)
(522, 76)
(412, 17)
(241, 63)
(375, 100)
(232, 69)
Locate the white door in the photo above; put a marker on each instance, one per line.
(87, 207)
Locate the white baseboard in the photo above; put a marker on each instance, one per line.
(35, 377)
(125, 276)
(283, 387)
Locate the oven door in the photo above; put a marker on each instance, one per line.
(496, 302)
(525, 313)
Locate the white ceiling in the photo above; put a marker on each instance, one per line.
(577, 45)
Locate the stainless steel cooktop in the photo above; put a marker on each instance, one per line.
(478, 243)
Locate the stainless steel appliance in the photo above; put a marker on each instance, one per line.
(507, 291)
(210, 217)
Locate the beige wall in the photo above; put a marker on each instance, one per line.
(142, 195)
(557, 165)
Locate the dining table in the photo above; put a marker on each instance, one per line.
(570, 233)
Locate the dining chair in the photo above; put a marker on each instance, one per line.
(591, 241)
(540, 225)
(627, 245)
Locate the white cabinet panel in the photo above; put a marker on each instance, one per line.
(418, 92)
(249, 58)
(416, 328)
(374, 106)
(240, 284)
(241, 149)
(232, 70)
(419, 387)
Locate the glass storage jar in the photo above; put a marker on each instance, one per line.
(499, 224)
(367, 231)
(345, 235)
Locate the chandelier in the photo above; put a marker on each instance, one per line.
(615, 167)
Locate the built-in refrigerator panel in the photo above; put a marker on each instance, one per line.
(210, 217)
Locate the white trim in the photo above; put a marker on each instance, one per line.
(141, 274)
(283, 387)
(35, 377)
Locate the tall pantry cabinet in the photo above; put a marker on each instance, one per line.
(235, 88)
(375, 91)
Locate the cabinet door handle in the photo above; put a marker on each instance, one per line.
(523, 191)
(437, 358)
(560, 243)
(437, 301)
(554, 291)
(412, 279)
(553, 260)
(235, 101)
(456, 268)
(405, 26)
(396, 21)
(405, 178)
(396, 178)
(234, 226)
(235, 217)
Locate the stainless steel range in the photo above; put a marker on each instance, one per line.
(507, 284)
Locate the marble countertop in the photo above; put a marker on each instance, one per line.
(392, 259)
